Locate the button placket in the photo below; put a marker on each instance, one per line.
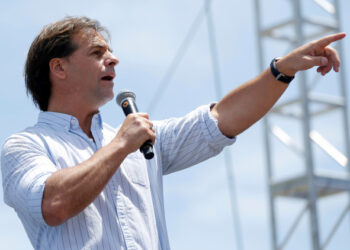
(96, 131)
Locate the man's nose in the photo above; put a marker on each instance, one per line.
(111, 60)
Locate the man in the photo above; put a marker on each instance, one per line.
(77, 183)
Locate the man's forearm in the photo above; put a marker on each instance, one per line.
(245, 105)
(68, 191)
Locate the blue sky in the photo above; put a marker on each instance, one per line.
(145, 37)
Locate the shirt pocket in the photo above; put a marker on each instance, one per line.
(135, 168)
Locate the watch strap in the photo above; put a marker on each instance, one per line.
(278, 75)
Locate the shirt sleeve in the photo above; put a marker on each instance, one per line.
(25, 168)
(186, 141)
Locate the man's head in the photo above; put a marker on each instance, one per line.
(56, 40)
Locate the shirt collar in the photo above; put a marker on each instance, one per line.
(65, 121)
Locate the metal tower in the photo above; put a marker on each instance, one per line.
(298, 122)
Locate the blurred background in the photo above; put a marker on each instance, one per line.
(167, 53)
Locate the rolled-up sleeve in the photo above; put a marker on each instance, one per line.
(186, 141)
(25, 168)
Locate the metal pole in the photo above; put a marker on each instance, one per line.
(335, 227)
(306, 131)
(227, 155)
(180, 53)
(343, 91)
(343, 88)
(266, 134)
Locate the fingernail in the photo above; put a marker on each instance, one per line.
(323, 61)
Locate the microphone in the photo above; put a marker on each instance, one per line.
(126, 100)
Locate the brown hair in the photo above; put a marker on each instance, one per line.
(54, 41)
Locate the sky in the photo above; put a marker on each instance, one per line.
(145, 37)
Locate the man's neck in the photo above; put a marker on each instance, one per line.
(83, 115)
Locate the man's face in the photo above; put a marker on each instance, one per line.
(90, 69)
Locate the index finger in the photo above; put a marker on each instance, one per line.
(325, 41)
(144, 115)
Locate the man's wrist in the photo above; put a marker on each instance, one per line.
(279, 76)
(117, 149)
(282, 67)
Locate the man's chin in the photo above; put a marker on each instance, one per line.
(107, 98)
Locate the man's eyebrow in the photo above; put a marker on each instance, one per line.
(100, 46)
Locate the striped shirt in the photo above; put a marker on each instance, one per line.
(129, 212)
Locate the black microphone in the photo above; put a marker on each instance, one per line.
(126, 100)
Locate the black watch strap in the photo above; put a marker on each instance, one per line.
(278, 75)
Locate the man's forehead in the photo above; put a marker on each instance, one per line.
(90, 38)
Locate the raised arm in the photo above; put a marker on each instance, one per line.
(242, 107)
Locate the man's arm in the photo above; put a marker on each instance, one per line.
(68, 191)
(242, 107)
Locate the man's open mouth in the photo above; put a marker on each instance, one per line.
(107, 78)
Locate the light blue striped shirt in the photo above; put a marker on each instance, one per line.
(129, 212)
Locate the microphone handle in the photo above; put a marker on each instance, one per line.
(129, 107)
(147, 150)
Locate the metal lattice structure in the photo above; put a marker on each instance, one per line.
(305, 109)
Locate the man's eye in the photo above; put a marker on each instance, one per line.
(97, 52)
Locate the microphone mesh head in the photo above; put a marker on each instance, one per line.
(125, 93)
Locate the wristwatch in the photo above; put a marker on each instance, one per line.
(278, 75)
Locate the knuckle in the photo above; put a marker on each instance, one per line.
(331, 48)
(145, 115)
(313, 44)
(145, 127)
(132, 116)
(137, 121)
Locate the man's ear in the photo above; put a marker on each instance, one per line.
(57, 68)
